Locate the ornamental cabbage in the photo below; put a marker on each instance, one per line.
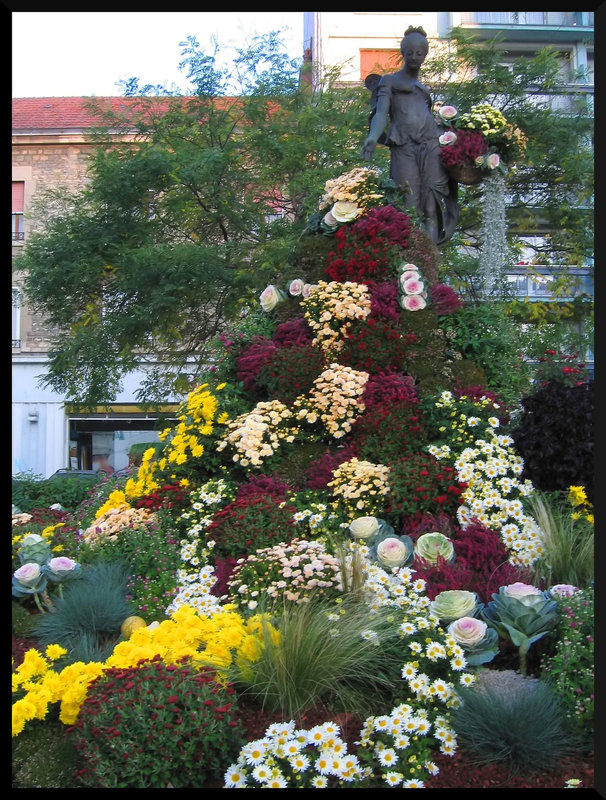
(28, 579)
(390, 551)
(431, 546)
(480, 643)
(453, 604)
(521, 613)
(34, 549)
(367, 529)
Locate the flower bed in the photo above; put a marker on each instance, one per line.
(328, 570)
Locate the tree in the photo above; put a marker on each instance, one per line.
(177, 230)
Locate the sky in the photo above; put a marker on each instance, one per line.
(84, 53)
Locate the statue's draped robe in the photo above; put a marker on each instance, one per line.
(415, 151)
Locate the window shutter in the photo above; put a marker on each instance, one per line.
(18, 195)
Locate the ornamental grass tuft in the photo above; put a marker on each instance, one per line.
(87, 620)
(337, 655)
(519, 725)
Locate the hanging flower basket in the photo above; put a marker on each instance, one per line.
(467, 174)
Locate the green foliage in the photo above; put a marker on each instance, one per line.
(87, 620)
(186, 244)
(22, 621)
(156, 726)
(569, 670)
(334, 654)
(483, 333)
(568, 543)
(43, 757)
(522, 726)
(32, 491)
(557, 171)
(152, 557)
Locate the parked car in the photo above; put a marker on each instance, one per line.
(77, 473)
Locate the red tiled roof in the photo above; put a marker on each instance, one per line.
(51, 113)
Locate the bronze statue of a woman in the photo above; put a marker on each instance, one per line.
(413, 140)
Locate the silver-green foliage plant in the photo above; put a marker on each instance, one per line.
(522, 726)
(88, 618)
(521, 613)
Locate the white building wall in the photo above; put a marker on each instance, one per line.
(40, 427)
(335, 37)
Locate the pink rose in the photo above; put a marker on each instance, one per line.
(450, 137)
(414, 302)
(413, 286)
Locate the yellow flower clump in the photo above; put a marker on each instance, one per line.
(578, 500)
(116, 499)
(145, 481)
(215, 641)
(196, 419)
(360, 485)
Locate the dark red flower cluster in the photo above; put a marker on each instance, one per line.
(384, 300)
(376, 345)
(386, 222)
(321, 471)
(256, 485)
(257, 353)
(170, 495)
(481, 565)
(291, 371)
(249, 524)
(469, 145)
(156, 725)
(420, 482)
(387, 388)
(293, 332)
(444, 299)
(385, 432)
(362, 254)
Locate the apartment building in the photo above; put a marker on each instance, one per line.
(51, 145)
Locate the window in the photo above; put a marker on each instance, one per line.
(16, 320)
(18, 198)
(379, 62)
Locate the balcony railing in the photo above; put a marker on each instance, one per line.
(17, 226)
(553, 18)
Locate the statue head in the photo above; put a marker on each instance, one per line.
(414, 46)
